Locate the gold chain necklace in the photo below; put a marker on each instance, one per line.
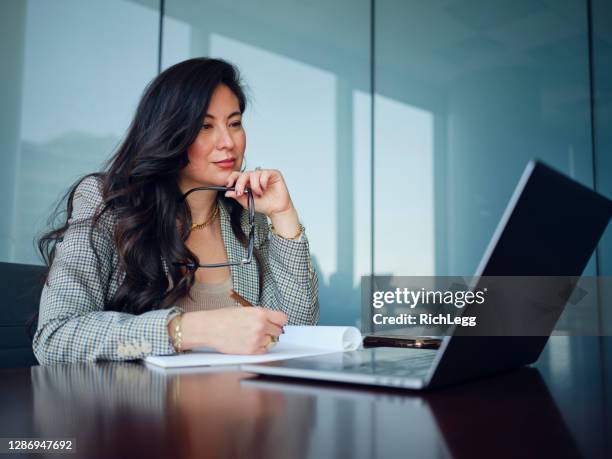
(208, 221)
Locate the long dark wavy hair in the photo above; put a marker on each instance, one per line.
(140, 186)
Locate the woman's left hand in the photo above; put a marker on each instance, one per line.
(268, 187)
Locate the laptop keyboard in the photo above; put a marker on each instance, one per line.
(415, 365)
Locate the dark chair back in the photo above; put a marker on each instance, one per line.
(20, 289)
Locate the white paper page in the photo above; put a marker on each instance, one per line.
(297, 341)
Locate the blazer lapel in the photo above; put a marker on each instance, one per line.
(245, 278)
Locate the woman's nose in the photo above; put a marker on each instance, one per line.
(225, 140)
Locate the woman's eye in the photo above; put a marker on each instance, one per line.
(236, 124)
(206, 127)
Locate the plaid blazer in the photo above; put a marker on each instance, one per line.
(74, 326)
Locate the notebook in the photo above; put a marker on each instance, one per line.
(297, 341)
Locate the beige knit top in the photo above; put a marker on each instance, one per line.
(208, 296)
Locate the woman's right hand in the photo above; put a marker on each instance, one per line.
(244, 330)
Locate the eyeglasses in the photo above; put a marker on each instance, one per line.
(251, 210)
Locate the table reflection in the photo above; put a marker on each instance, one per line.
(117, 408)
(511, 415)
(127, 409)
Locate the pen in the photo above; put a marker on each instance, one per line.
(240, 300)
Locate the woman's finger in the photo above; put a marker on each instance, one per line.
(279, 318)
(241, 183)
(254, 182)
(272, 329)
(232, 178)
(263, 179)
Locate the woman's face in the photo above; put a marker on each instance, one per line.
(219, 147)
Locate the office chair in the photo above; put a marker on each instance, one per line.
(20, 289)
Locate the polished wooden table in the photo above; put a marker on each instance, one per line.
(560, 408)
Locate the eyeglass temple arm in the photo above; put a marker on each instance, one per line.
(211, 188)
(244, 261)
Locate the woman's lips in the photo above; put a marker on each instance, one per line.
(226, 163)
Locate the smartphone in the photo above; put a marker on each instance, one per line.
(413, 342)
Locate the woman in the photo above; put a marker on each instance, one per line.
(125, 279)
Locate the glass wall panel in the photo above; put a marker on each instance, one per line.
(307, 69)
(602, 117)
(71, 79)
(466, 93)
(601, 20)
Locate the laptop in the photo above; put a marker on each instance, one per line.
(550, 227)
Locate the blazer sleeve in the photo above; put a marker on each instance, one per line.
(290, 283)
(73, 324)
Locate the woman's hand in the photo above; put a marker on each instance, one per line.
(268, 187)
(271, 197)
(232, 330)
